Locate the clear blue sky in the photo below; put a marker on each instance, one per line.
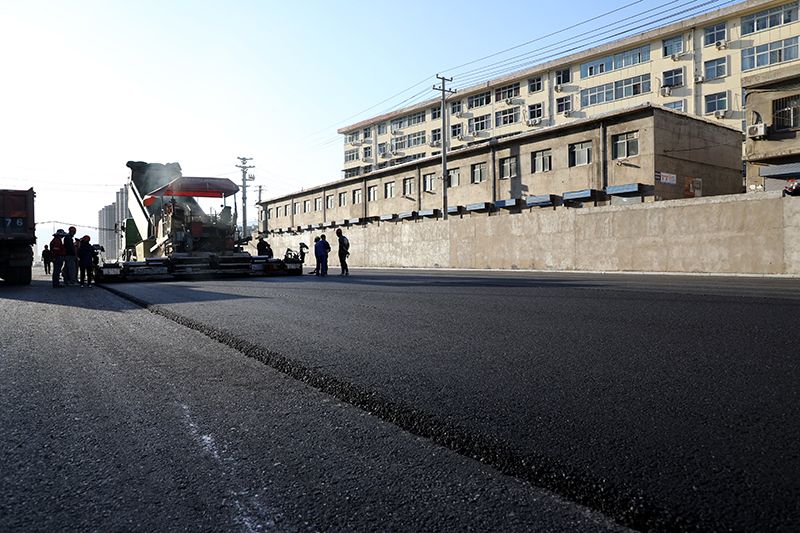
(88, 85)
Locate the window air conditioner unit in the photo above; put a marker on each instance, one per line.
(509, 101)
(675, 57)
(665, 90)
(434, 144)
(534, 121)
(559, 88)
(719, 114)
(459, 114)
(699, 79)
(460, 137)
(567, 113)
(721, 45)
(757, 131)
(394, 152)
(395, 132)
(364, 159)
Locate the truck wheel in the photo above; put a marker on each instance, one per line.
(25, 275)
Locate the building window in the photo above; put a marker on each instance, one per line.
(436, 135)
(388, 189)
(398, 124)
(351, 137)
(455, 107)
(429, 182)
(479, 100)
(307, 206)
(408, 186)
(508, 168)
(506, 116)
(563, 104)
(456, 130)
(715, 68)
(598, 66)
(509, 91)
(318, 204)
(632, 86)
(597, 95)
(563, 76)
(480, 123)
(367, 133)
(453, 177)
(535, 110)
(356, 196)
(297, 208)
(382, 129)
(478, 172)
(716, 102)
(769, 54)
(625, 145)
(677, 105)
(436, 112)
(769, 18)
(535, 84)
(269, 213)
(372, 193)
(632, 57)
(342, 199)
(416, 139)
(541, 161)
(367, 151)
(329, 201)
(673, 78)
(382, 148)
(398, 143)
(713, 34)
(416, 118)
(786, 113)
(580, 154)
(350, 155)
(672, 46)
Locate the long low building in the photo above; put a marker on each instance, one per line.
(642, 153)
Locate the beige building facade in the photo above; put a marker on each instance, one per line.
(694, 66)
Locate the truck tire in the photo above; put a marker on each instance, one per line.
(19, 276)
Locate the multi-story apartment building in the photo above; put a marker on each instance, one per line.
(695, 67)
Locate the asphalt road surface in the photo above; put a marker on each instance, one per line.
(113, 418)
(664, 402)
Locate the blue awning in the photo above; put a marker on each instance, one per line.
(624, 189)
(787, 172)
(579, 195)
(540, 201)
(480, 206)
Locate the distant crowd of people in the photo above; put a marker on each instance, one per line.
(69, 255)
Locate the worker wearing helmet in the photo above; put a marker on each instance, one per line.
(86, 255)
(70, 258)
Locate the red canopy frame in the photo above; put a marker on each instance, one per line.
(197, 187)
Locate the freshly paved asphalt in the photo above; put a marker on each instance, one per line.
(113, 418)
(666, 402)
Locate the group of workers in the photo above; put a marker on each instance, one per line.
(70, 254)
(322, 248)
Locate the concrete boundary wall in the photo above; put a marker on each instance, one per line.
(755, 233)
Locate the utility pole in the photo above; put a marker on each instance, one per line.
(244, 166)
(445, 140)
